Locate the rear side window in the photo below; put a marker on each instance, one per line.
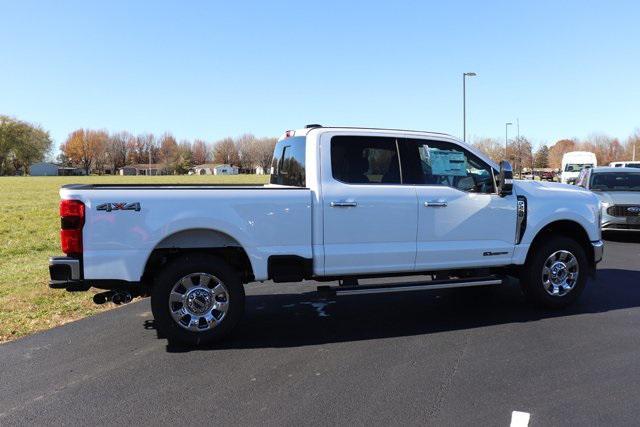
(365, 160)
(289, 162)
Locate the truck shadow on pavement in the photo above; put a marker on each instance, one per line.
(294, 320)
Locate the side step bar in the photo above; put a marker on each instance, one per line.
(332, 291)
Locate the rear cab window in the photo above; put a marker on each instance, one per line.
(288, 165)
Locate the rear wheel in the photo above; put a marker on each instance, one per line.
(197, 299)
(555, 273)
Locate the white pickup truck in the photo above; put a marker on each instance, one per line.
(342, 204)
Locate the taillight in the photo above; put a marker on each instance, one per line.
(71, 223)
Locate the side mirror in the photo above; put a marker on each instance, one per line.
(505, 179)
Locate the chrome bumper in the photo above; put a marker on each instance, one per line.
(598, 251)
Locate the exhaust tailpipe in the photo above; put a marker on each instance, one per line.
(116, 297)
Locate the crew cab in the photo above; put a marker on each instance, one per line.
(342, 204)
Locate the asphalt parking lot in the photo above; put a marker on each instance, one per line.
(456, 357)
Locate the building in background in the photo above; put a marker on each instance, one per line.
(53, 169)
(215, 169)
(143, 169)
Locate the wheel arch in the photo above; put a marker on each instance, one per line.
(567, 228)
(203, 240)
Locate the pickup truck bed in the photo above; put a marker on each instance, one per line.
(118, 241)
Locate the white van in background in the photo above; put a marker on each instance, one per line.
(631, 164)
(573, 162)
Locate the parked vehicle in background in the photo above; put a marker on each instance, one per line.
(630, 164)
(547, 176)
(343, 203)
(573, 162)
(618, 189)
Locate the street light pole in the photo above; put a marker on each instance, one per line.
(464, 103)
(506, 138)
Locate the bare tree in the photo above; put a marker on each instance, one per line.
(225, 151)
(98, 140)
(168, 151)
(246, 146)
(144, 150)
(491, 147)
(519, 152)
(606, 148)
(264, 152)
(199, 152)
(117, 149)
(632, 146)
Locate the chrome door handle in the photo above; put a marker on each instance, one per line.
(344, 204)
(435, 204)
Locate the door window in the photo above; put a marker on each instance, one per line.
(365, 160)
(443, 163)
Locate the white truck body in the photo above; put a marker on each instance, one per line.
(387, 232)
(330, 225)
(573, 162)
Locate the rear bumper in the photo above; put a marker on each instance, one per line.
(65, 273)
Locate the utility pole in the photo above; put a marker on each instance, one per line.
(506, 138)
(464, 104)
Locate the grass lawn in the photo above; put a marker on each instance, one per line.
(29, 234)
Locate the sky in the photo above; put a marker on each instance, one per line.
(564, 69)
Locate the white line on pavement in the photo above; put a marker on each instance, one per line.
(520, 419)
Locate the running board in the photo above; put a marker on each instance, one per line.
(331, 291)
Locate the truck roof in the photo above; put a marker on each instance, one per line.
(305, 131)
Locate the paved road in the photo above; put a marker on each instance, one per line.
(456, 357)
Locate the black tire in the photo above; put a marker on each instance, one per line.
(181, 267)
(531, 277)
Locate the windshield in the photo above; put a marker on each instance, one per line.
(614, 181)
(577, 167)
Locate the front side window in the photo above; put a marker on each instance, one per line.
(444, 163)
(365, 160)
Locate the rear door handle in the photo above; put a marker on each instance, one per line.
(435, 204)
(344, 204)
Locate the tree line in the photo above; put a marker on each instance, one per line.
(520, 153)
(99, 151)
(21, 144)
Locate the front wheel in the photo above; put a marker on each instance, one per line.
(555, 273)
(197, 299)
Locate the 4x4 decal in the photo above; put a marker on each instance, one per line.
(121, 206)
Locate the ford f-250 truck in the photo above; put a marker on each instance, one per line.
(342, 204)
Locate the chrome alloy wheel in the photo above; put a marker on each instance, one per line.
(198, 302)
(560, 273)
